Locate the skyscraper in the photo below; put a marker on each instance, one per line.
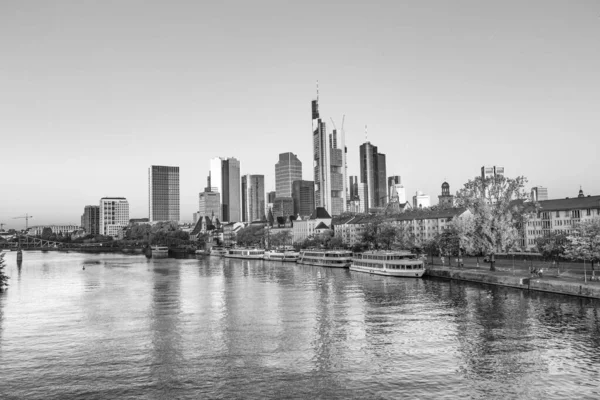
(114, 216)
(163, 193)
(225, 176)
(303, 193)
(90, 220)
(539, 193)
(391, 181)
(373, 175)
(491, 172)
(253, 198)
(329, 165)
(287, 170)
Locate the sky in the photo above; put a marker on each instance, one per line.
(92, 93)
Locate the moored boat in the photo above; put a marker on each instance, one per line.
(248, 254)
(284, 256)
(217, 251)
(390, 263)
(160, 251)
(325, 258)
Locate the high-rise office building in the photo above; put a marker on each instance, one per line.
(225, 177)
(372, 174)
(209, 204)
(163, 193)
(90, 220)
(421, 200)
(382, 189)
(491, 172)
(253, 198)
(539, 193)
(287, 170)
(114, 216)
(329, 165)
(353, 188)
(303, 194)
(283, 207)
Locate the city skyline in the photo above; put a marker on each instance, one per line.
(470, 89)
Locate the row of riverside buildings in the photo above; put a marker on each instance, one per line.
(233, 199)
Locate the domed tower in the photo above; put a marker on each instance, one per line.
(580, 192)
(446, 200)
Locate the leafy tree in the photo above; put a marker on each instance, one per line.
(250, 236)
(552, 245)
(335, 242)
(584, 242)
(280, 239)
(3, 277)
(368, 237)
(386, 234)
(432, 246)
(499, 212)
(46, 233)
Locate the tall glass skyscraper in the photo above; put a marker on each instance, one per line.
(163, 196)
(253, 198)
(287, 170)
(373, 175)
(225, 177)
(329, 166)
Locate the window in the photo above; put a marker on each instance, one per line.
(588, 212)
(557, 214)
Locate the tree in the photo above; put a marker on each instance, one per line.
(552, 245)
(432, 246)
(584, 242)
(46, 233)
(251, 236)
(335, 242)
(280, 239)
(499, 212)
(3, 277)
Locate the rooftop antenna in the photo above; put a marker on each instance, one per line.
(317, 90)
(366, 135)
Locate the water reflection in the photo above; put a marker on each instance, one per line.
(223, 328)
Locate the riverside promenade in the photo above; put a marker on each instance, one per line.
(565, 279)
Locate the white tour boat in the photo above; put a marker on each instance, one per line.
(325, 258)
(160, 250)
(248, 254)
(217, 251)
(284, 256)
(391, 263)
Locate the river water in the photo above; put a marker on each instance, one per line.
(131, 328)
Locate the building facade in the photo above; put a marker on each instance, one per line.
(303, 195)
(283, 207)
(253, 198)
(306, 228)
(225, 177)
(287, 170)
(209, 204)
(90, 220)
(560, 215)
(114, 216)
(491, 172)
(421, 200)
(539, 193)
(57, 229)
(163, 193)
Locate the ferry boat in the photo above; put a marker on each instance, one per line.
(217, 252)
(325, 258)
(284, 256)
(160, 250)
(248, 254)
(390, 263)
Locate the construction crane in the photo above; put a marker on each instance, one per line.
(26, 217)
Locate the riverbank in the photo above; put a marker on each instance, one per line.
(561, 284)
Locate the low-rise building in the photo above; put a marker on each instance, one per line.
(560, 215)
(64, 229)
(305, 228)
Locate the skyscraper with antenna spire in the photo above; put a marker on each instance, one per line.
(329, 164)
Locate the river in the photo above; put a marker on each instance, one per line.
(128, 328)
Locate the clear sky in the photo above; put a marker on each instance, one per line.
(92, 93)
